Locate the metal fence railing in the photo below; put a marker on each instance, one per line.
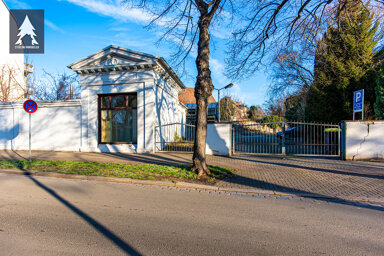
(258, 138)
(295, 138)
(291, 138)
(175, 137)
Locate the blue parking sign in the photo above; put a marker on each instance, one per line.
(358, 100)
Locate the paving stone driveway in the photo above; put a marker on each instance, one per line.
(317, 176)
(320, 176)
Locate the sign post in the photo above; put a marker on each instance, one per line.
(358, 103)
(30, 137)
(30, 107)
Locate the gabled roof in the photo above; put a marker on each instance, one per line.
(188, 97)
(112, 50)
(115, 58)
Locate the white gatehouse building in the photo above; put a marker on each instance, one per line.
(125, 94)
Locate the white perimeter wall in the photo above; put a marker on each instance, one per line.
(219, 139)
(55, 126)
(363, 140)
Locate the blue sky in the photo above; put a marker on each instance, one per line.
(75, 29)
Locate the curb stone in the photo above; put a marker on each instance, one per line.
(195, 186)
(186, 185)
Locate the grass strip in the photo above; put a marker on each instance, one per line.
(141, 172)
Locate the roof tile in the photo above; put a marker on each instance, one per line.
(187, 96)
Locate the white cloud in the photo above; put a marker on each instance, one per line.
(53, 26)
(113, 9)
(130, 41)
(218, 77)
(119, 29)
(249, 92)
(223, 33)
(18, 4)
(218, 69)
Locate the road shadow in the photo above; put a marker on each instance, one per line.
(316, 169)
(258, 184)
(150, 159)
(14, 155)
(176, 159)
(124, 246)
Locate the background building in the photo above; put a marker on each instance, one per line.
(187, 97)
(233, 111)
(12, 68)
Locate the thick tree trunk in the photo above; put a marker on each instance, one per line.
(203, 90)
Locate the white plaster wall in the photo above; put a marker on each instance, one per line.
(363, 140)
(170, 114)
(55, 126)
(219, 139)
(12, 61)
(140, 82)
(182, 115)
(168, 108)
(9, 125)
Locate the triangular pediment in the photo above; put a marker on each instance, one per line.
(114, 56)
(114, 60)
(118, 59)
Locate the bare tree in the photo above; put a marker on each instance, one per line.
(291, 67)
(291, 70)
(260, 24)
(275, 107)
(59, 86)
(11, 83)
(283, 24)
(187, 22)
(256, 112)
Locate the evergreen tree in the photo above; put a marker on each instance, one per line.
(344, 58)
(295, 108)
(379, 89)
(256, 112)
(227, 109)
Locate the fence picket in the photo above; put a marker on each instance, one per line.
(295, 138)
(292, 138)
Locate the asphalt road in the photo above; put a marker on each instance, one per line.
(49, 216)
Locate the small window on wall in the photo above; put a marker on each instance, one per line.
(118, 118)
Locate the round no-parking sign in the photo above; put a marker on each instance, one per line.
(30, 106)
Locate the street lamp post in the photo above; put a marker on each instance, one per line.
(218, 92)
(28, 69)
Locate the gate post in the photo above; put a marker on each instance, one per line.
(341, 148)
(154, 138)
(283, 139)
(232, 139)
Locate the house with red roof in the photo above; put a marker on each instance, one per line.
(187, 97)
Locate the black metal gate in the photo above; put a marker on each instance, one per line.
(291, 138)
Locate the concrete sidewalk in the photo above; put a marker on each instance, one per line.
(318, 177)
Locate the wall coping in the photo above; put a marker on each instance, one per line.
(43, 104)
(363, 122)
